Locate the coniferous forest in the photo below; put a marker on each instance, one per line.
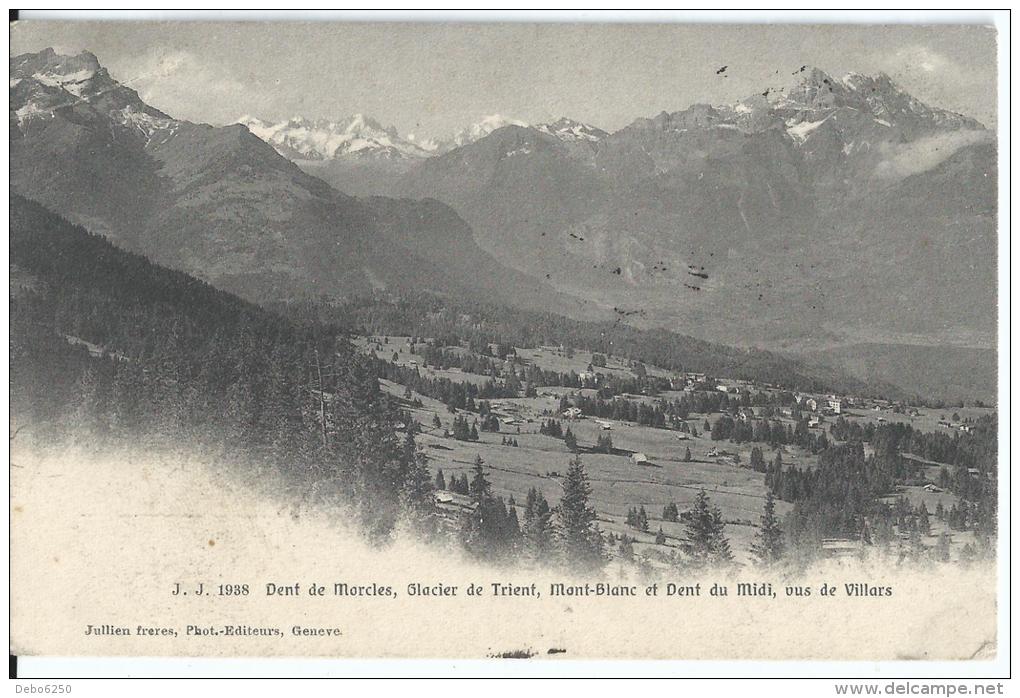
(106, 344)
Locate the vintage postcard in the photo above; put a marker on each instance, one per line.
(505, 340)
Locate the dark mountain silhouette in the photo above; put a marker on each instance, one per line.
(222, 204)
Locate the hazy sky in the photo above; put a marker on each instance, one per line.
(430, 79)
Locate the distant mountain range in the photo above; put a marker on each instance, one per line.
(357, 136)
(837, 212)
(362, 138)
(221, 203)
(360, 156)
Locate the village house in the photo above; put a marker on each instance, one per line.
(841, 547)
(638, 459)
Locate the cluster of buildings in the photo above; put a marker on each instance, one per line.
(830, 405)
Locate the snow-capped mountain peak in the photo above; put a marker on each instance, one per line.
(430, 145)
(357, 136)
(569, 130)
(876, 95)
(55, 70)
(46, 82)
(483, 128)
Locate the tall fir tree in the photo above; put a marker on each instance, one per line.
(768, 546)
(570, 440)
(486, 530)
(580, 537)
(417, 494)
(538, 531)
(706, 541)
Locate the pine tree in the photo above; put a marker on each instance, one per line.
(627, 548)
(570, 440)
(479, 489)
(687, 455)
(757, 460)
(923, 520)
(580, 538)
(440, 480)
(417, 493)
(514, 533)
(706, 541)
(484, 530)
(768, 546)
(642, 518)
(538, 529)
(660, 537)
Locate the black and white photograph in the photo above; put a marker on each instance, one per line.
(602, 338)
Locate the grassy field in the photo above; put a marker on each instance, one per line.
(927, 419)
(618, 482)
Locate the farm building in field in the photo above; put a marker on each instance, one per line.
(604, 426)
(638, 459)
(572, 413)
(685, 380)
(841, 547)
